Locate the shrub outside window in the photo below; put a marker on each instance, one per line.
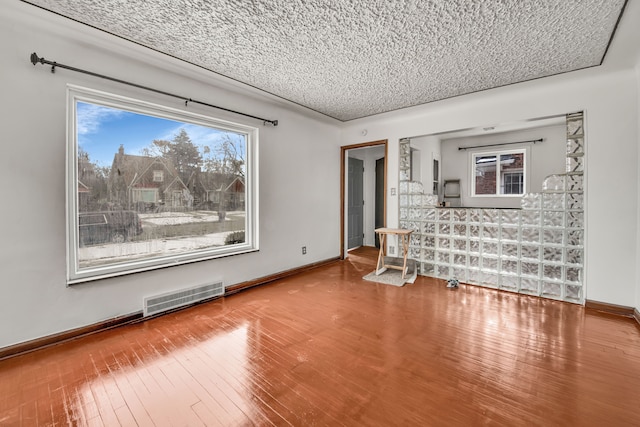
(498, 173)
(150, 186)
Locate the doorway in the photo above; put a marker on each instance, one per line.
(353, 225)
(355, 205)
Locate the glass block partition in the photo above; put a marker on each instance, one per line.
(536, 250)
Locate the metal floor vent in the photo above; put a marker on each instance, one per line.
(170, 300)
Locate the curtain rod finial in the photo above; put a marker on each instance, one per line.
(34, 58)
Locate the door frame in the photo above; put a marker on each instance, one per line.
(343, 182)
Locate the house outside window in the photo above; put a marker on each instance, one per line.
(513, 183)
(501, 173)
(152, 194)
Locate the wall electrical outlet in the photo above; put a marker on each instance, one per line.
(304, 250)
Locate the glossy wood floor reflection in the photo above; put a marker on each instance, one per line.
(327, 348)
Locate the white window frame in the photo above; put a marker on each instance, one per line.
(158, 176)
(76, 274)
(472, 175)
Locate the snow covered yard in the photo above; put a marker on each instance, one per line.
(110, 253)
(175, 218)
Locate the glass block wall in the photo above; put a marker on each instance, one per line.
(536, 250)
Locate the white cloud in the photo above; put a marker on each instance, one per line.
(90, 117)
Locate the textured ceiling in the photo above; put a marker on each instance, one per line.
(350, 59)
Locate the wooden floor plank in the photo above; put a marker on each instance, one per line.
(133, 402)
(103, 402)
(325, 347)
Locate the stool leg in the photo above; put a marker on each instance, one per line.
(380, 262)
(405, 249)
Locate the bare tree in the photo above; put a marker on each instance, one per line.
(94, 178)
(228, 157)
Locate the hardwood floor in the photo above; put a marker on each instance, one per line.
(327, 348)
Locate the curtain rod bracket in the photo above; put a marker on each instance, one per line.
(35, 59)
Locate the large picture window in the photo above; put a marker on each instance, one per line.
(498, 173)
(151, 186)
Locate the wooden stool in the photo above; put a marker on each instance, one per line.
(403, 234)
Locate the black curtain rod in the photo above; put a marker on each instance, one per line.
(35, 60)
(503, 143)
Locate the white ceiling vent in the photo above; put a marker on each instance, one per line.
(180, 298)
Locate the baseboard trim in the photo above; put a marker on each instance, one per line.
(273, 277)
(618, 310)
(636, 315)
(50, 340)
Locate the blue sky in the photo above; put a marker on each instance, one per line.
(101, 130)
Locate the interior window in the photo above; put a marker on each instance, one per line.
(498, 173)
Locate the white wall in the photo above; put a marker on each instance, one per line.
(637, 304)
(543, 159)
(610, 102)
(298, 178)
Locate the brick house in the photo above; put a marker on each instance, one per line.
(145, 183)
